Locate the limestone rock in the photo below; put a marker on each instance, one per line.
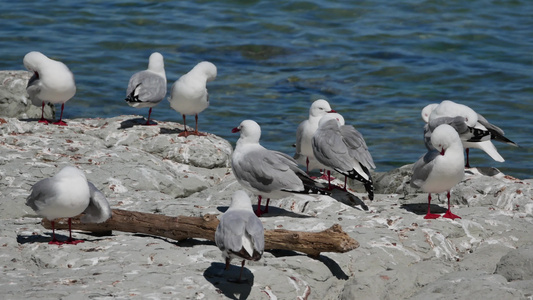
(14, 101)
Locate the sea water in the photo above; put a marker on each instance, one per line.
(377, 62)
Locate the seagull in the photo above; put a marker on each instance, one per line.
(426, 112)
(65, 195)
(189, 93)
(265, 172)
(440, 169)
(52, 82)
(304, 134)
(343, 148)
(240, 233)
(147, 88)
(474, 130)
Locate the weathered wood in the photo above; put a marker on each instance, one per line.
(179, 228)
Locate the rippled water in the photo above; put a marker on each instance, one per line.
(378, 63)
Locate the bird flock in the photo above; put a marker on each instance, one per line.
(323, 142)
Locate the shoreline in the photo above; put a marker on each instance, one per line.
(151, 169)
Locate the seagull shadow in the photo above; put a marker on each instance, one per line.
(272, 212)
(348, 198)
(332, 265)
(135, 122)
(170, 131)
(225, 280)
(41, 239)
(422, 208)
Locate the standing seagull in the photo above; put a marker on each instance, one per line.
(52, 82)
(189, 93)
(147, 88)
(66, 195)
(267, 173)
(441, 169)
(474, 130)
(304, 150)
(343, 148)
(240, 233)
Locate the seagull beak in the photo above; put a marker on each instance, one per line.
(236, 129)
(332, 111)
(442, 151)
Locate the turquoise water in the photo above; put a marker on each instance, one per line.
(377, 62)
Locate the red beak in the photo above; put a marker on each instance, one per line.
(332, 111)
(234, 130)
(442, 151)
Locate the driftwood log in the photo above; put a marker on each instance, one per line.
(333, 239)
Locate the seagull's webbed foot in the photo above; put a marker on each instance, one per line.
(431, 216)
(60, 123)
(450, 215)
(73, 241)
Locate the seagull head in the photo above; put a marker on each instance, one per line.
(443, 137)
(319, 108)
(250, 131)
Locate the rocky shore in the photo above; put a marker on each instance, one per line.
(488, 254)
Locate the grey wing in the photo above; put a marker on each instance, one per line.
(458, 123)
(427, 138)
(151, 87)
(255, 229)
(98, 210)
(422, 168)
(34, 88)
(41, 192)
(496, 133)
(330, 150)
(357, 146)
(267, 171)
(488, 125)
(230, 231)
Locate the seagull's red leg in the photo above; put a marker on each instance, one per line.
(429, 215)
(448, 213)
(148, 121)
(43, 120)
(60, 122)
(196, 132)
(266, 206)
(258, 212)
(54, 241)
(70, 239)
(307, 165)
(185, 133)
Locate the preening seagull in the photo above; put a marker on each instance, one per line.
(51, 82)
(440, 169)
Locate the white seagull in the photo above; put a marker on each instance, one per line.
(343, 148)
(474, 130)
(66, 195)
(441, 169)
(267, 173)
(189, 93)
(304, 134)
(147, 88)
(52, 82)
(240, 233)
